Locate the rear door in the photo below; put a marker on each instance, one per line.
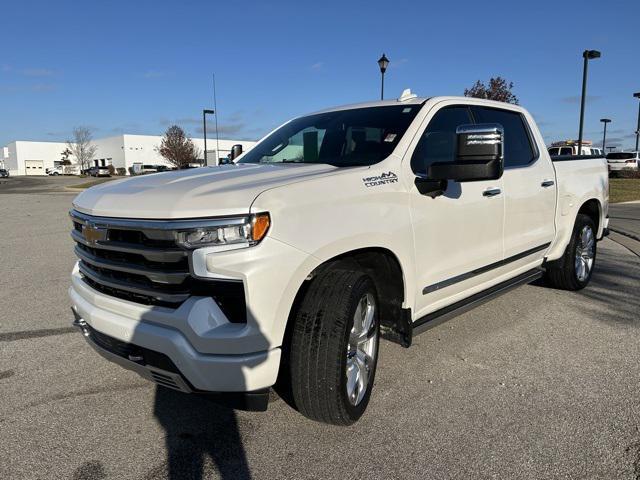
(529, 187)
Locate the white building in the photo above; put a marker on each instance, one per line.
(121, 151)
(31, 158)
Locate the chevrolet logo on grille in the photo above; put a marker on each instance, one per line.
(93, 234)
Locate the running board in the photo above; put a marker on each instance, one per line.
(440, 316)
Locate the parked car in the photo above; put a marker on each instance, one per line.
(54, 171)
(341, 227)
(98, 171)
(618, 161)
(4, 173)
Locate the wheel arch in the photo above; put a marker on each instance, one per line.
(385, 269)
(590, 206)
(593, 209)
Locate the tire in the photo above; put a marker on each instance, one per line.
(566, 273)
(321, 352)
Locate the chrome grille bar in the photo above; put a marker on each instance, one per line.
(132, 287)
(158, 225)
(155, 255)
(166, 277)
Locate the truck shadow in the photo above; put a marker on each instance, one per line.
(198, 431)
(202, 431)
(611, 295)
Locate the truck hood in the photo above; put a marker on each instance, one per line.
(193, 193)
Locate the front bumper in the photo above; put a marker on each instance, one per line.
(158, 368)
(156, 329)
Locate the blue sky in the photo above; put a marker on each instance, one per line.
(137, 66)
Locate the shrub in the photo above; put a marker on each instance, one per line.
(121, 171)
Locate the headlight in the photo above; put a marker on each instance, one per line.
(244, 232)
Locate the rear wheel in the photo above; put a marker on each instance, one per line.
(573, 271)
(334, 347)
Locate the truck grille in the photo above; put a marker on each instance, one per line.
(139, 261)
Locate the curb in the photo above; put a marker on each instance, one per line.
(626, 234)
(627, 242)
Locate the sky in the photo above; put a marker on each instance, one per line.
(139, 66)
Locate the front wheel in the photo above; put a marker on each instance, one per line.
(334, 347)
(573, 271)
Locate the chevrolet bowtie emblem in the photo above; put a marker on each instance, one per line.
(93, 234)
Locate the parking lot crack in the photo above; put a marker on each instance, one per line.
(27, 334)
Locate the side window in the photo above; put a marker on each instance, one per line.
(566, 151)
(553, 151)
(438, 142)
(517, 144)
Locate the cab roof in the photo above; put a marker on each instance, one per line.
(411, 99)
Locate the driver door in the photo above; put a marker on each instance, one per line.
(459, 234)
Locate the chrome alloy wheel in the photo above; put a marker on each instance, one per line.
(585, 253)
(362, 349)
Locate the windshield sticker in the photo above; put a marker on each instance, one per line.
(382, 179)
(390, 137)
(406, 110)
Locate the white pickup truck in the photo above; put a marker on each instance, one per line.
(341, 227)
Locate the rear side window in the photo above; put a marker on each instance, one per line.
(566, 151)
(518, 150)
(621, 156)
(554, 151)
(439, 142)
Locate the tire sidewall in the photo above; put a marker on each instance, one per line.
(362, 286)
(581, 222)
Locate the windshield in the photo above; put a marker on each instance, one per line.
(344, 138)
(621, 156)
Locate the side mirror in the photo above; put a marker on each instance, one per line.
(236, 151)
(479, 155)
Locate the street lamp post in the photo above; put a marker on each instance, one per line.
(383, 63)
(587, 55)
(204, 127)
(604, 135)
(637, 95)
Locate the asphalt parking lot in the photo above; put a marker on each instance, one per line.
(536, 384)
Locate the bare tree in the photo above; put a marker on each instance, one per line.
(82, 147)
(178, 148)
(498, 89)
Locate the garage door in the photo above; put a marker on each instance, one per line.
(34, 167)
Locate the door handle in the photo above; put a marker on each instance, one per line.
(547, 183)
(491, 192)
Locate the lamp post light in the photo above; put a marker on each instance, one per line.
(604, 135)
(383, 63)
(587, 55)
(637, 95)
(204, 126)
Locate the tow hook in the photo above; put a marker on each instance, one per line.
(80, 323)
